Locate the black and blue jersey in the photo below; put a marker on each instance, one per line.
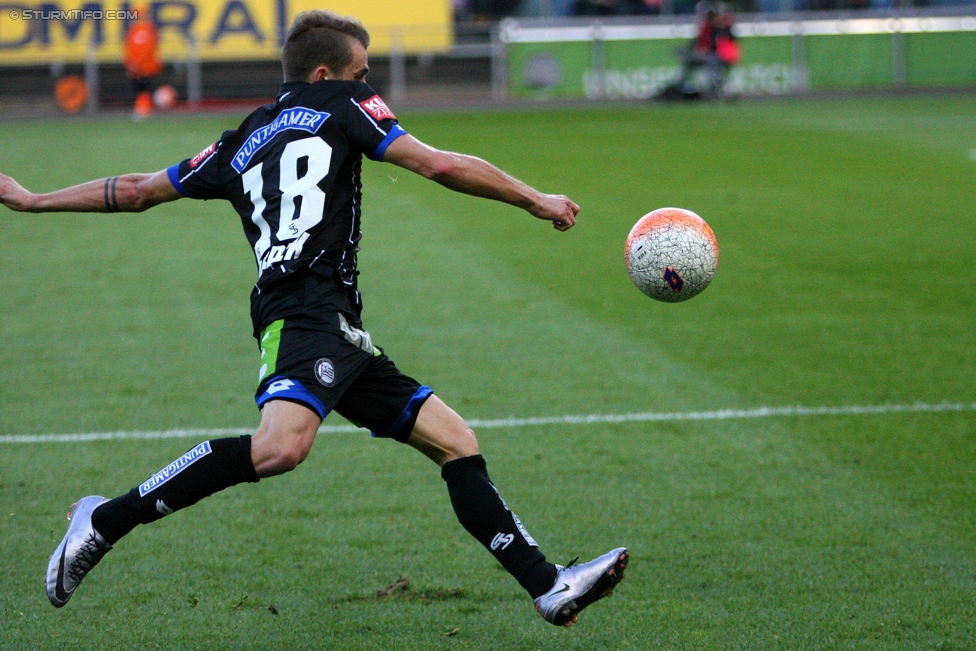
(292, 173)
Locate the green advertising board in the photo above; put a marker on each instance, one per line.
(849, 61)
(945, 59)
(560, 62)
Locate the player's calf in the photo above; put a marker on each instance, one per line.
(203, 470)
(483, 513)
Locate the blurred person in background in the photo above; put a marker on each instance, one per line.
(715, 49)
(142, 60)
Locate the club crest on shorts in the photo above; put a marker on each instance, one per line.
(325, 372)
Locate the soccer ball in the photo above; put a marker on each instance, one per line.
(671, 254)
(165, 97)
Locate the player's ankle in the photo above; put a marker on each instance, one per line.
(114, 519)
(540, 579)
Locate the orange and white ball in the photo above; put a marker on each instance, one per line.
(165, 97)
(671, 254)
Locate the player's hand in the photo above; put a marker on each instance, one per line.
(557, 208)
(13, 195)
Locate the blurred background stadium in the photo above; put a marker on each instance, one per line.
(439, 52)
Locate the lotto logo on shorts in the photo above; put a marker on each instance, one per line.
(325, 372)
(376, 107)
(280, 385)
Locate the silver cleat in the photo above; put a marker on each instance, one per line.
(80, 550)
(577, 586)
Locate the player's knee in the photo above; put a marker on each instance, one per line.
(288, 458)
(276, 455)
(462, 444)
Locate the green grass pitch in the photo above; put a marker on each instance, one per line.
(847, 277)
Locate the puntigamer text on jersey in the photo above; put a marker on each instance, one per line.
(298, 117)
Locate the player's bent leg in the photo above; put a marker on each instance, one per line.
(284, 437)
(558, 593)
(444, 437)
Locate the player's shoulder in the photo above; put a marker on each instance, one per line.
(349, 101)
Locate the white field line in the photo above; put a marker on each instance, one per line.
(723, 414)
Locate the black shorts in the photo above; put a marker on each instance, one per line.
(330, 364)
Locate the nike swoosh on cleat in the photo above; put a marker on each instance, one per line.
(59, 592)
(564, 589)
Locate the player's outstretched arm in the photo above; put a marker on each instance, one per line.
(480, 178)
(127, 193)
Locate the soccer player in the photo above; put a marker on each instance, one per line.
(292, 172)
(142, 60)
(715, 48)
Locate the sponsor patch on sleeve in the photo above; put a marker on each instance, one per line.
(202, 156)
(376, 107)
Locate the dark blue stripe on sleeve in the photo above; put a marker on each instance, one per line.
(173, 172)
(394, 133)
